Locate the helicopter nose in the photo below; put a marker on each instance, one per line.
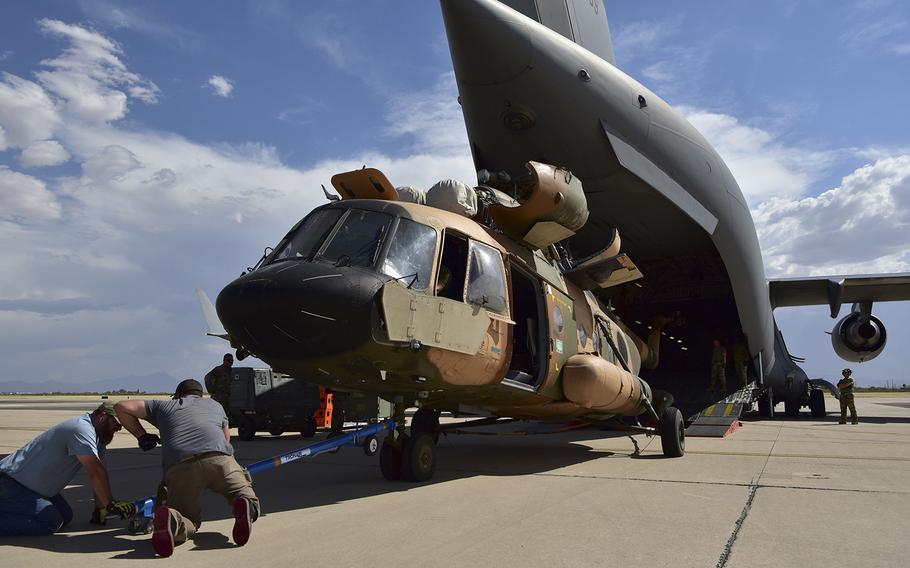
(299, 309)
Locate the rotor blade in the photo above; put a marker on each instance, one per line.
(210, 315)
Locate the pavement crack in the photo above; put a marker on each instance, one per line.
(728, 547)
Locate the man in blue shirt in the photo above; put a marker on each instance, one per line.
(32, 477)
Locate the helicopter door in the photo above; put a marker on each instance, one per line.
(531, 338)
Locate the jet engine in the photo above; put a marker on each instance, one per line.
(858, 337)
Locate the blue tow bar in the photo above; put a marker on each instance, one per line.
(141, 522)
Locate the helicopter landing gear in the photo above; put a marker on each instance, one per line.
(672, 432)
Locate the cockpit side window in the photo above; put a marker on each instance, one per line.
(303, 242)
(450, 279)
(486, 279)
(411, 253)
(357, 240)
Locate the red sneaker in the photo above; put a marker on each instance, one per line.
(163, 535)
(243, 520)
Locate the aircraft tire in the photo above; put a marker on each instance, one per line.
(791, 408)
(817, 403)
(425, 420)
(390, 461)
(247, 429)
(766, 405)
(418, 458)
(276, 431)
(672, 432)
(309, 428)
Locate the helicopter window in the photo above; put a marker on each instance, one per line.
(411, 254)
(452, 268)
(305, 241)
(486, 279)
(356, 241)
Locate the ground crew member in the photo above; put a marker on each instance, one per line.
(846, 397)
(218, 382)
(32, 477)
(718, 366)
(741, 361)
(196, 455)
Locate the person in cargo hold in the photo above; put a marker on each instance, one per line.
(197, 455)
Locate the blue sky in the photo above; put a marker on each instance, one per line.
(150, 148)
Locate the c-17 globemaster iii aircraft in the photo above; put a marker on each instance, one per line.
(604, 255)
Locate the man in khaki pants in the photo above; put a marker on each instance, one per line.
(196, 455)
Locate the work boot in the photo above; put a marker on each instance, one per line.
(165, 525)
(856, 421)
(842, 422)
(243, 520)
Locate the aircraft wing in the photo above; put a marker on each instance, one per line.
(210, 315)
(837, 290)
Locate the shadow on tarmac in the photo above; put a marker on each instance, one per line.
(325, 480)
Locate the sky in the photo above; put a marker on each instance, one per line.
(147, 149)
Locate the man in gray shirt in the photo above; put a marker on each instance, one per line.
(32, 477)
(196, 455)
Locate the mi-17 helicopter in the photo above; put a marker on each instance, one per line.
(465, 307)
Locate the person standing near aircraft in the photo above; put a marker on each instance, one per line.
(846, 397)
(218, 382)
(197, 455)
(32, 477)
(718, 367)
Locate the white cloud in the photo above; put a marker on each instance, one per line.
(25, 199)
(761, 164)
(631, 40)
(862, 226)
(89, 75)
(44, 153)
(901, 49)
(27, 113)
(872, 32)
(432, 118)
(5, 54)
(221, 86)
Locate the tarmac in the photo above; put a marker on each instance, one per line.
(782, 492)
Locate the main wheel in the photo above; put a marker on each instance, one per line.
(247, 429)
(390, 461)
(275, 431)
(426, 420)
(817, 403)
(672, 432)
(791, 408)
(766, 404)
(309, 428)
(418, 458)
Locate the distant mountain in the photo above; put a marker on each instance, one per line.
(153, 383)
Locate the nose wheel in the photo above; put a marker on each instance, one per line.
(412, 458)
(672, 432)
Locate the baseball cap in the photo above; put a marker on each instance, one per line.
(188, 386)
(107, 407)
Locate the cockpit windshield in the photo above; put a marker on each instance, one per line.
(354, 237)
(306, 240)
(357, 240)
(411, 254)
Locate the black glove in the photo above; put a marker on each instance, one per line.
(148, 441)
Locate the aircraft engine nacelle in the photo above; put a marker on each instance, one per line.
(856, 338)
